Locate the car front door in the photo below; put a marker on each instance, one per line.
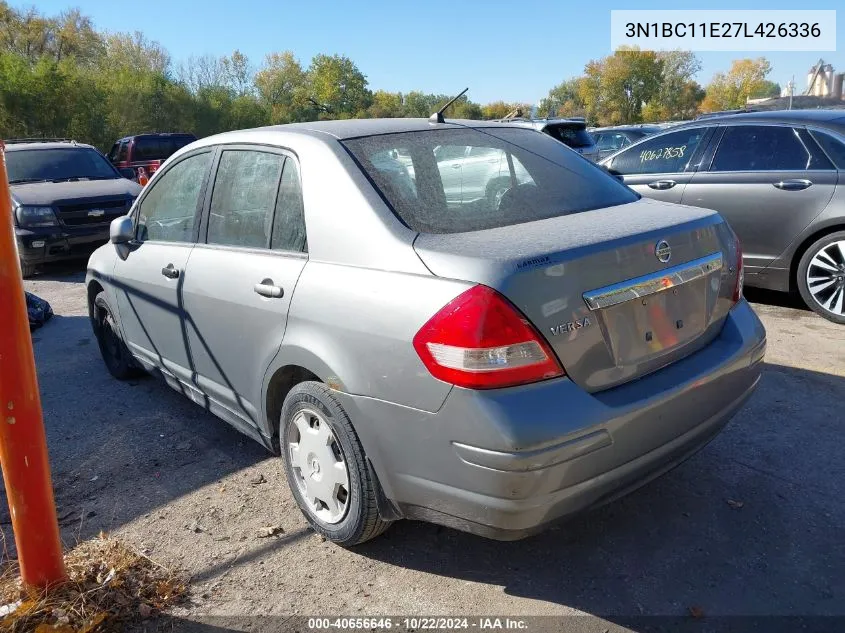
(450, 160)
(242, 275)
(148, 279)
(769, 182)
(661, 166)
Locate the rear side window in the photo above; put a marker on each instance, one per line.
(571, 135)
(146, 148)
(833, 147)
(766, 148)
(244, 198)
(168, 211)
(665, 154)
(123, 152)
(289, 223)
(456, 180)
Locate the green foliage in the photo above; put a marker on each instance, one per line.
(745, 79)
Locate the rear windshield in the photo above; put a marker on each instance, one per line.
(468, 179)
(573, 135)
(158, 147)
(72, 163)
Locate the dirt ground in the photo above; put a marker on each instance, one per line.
(752, 525)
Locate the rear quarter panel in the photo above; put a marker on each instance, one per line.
(354, 328)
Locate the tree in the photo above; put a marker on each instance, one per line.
(282, 86)
(237, 72)
(565, 100)
(678, 95)
(500, 109)
(387, 105)
(731, 90)
(617, 86)
(336, 88)
(135, 52)
(768, 89)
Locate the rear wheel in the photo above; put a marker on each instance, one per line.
(821, 277)
(326, 467)
(116, 356)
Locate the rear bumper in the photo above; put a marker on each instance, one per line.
(505, 463)
(48, 244)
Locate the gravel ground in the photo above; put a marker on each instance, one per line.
(752, 525)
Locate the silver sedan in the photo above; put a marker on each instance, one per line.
(493, 350)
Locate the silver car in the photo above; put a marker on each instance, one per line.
(488, 363)
(776, 177)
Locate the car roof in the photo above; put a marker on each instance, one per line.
(635, 127)
(16, 147)
(353, 128)
(836, 117)
(155, 135)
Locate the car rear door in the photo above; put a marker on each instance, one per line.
(242, 275)
(662, 165)
(769, 181)
(150, 274)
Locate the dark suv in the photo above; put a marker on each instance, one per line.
(146, 150)
(64, 196)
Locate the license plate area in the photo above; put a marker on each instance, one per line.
(642, 329)
(649, 317)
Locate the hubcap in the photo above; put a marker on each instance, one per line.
(318, 465)
(826, 277)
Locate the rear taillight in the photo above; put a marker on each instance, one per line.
(740, 271)
(480, 340)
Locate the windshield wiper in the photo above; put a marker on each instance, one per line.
(18, 181)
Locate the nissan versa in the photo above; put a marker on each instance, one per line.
(490, 345)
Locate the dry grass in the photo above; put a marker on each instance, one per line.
(109, 586)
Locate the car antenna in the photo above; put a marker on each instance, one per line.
(437, 117)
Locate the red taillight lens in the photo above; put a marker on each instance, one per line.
(480, 340)
(740, 271)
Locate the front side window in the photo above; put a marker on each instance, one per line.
(58, 165)
(243, 198)
(456, 180)
(766, 148)
(289, 223)
(168, 211)
(665, 154)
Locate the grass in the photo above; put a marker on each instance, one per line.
(110, 585)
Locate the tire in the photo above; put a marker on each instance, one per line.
(318, 442)
(823, 262)
(115, 354)
(27, 270)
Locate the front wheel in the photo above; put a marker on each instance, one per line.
(326, 467)
(116, 356)
(821, 277)
(27, 270)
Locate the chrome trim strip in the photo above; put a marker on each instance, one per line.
(652, 283)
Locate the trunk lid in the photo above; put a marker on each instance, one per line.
(595, 285)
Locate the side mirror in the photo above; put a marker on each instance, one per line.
(128, 173)
(121, 230)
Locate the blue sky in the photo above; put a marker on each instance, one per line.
(499, 51)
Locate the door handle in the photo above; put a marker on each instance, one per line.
(267, 289)
(170, 272)
(662, 184)
(796, 184)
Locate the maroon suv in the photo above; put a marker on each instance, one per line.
(146, 150)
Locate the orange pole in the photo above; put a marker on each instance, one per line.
(23, 445)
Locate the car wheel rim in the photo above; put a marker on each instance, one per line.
(319, 467)
(826, 277)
